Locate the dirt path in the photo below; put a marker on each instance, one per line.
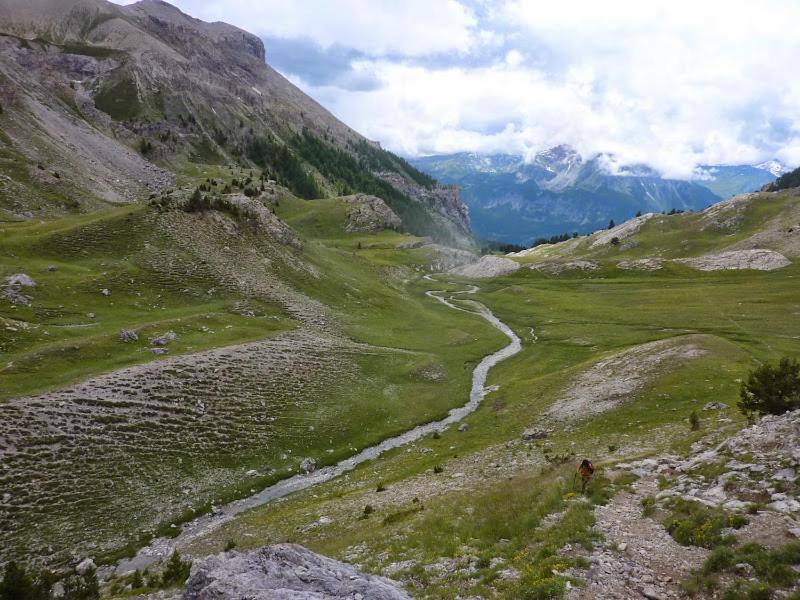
(639, 559)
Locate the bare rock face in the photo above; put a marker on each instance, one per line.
(556, 267)
(620, 232)
(281, 572)
(12, 286)
(443, 199)
(488, 266)
(757, 259)
(370, 214)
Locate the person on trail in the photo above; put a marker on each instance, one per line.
(586, 470)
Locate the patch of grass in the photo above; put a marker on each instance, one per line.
(693, 524)
(119, 100)
(648, 506)
(773, 569)
(402, 515)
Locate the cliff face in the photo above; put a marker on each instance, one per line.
(444, 199)
(84, 83)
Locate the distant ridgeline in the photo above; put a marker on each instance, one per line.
(126, 88)
(516, 202)
(784, 182)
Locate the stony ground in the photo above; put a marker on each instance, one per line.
(63, 452)
(751, 473)
(638, 558)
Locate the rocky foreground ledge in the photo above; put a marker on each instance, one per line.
(282, 572)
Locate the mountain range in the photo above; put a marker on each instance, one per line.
(512, 200)
(97, 95)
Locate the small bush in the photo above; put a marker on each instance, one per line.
(694, 421)
(692, 524)
(177, 570)
(648, 506)
(380, 488)
(136, 580)
(772, 389)
(81, 587)
(229, 545)
(18, 584)
(438, 469)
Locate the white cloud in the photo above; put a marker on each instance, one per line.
(669, 83)
(375, 27)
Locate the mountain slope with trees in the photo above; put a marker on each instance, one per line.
(105, 103)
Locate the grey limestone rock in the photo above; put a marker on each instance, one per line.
(284, 571)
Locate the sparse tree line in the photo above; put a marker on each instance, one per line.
(24, 583)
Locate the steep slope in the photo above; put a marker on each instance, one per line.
(557, 191)
(785, 181)
(96, 93)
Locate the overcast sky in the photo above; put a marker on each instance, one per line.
(670, 83)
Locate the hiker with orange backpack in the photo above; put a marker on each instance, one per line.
(586, 471)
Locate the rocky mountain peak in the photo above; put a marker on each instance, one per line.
(774, 166)
(558, 158)
(176, 27)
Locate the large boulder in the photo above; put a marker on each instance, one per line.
(283, 572)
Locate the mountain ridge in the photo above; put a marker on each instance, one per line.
(177, 91)
(518, 199)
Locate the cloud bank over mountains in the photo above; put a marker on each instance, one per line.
(671, 84)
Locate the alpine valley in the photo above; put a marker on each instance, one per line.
(247, 352)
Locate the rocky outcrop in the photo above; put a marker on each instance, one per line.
(556, 267)
(281, 572)
(442, 198)
(620, 232)
(13, 285)
(487, 267)
(265, 220)
(758, 259)
(369, 214)
(641, 264)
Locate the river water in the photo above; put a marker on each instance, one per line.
(161, 547)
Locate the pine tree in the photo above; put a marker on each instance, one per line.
(82, 587)
(772, 389)
(18, 584)
(176, 571)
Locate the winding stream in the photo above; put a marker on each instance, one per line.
(202, 525)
